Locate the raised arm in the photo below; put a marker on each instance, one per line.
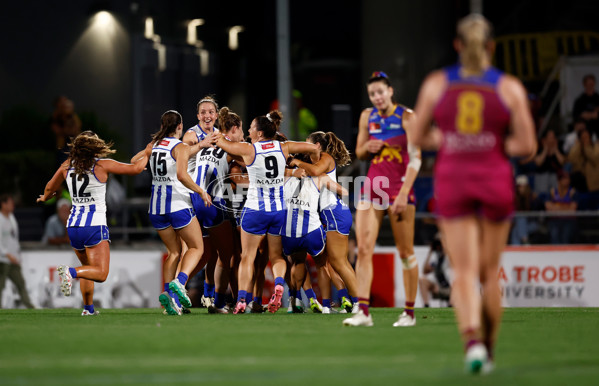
(321, 167)
(292, 147)
(54, 183)
(139, 162)
(243, 149)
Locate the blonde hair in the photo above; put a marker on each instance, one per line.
(332, 145)
(475, 32)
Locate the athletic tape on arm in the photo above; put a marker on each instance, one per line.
(415, 161)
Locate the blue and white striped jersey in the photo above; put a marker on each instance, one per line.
(329, 199)
(88, 196)
(168, 193)
(267, 176)
(301, 197)
(200, 135)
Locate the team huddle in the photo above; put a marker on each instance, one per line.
(475, 116)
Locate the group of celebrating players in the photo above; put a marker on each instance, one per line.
(294, 204)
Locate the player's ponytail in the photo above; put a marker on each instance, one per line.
(227, 119)
(332, 145)
(168, 125)
(269, 124)
(475, 32)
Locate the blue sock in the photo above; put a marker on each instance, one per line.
(89, 308)
(248, 297)
(241, 296)
(342, 293)
(310, 294)
(291, 292)
(279, 281)
(354, 300)
(211, 290)
(219, 300)
(166, 287)
(206, 289)
(326, 303)
(72, 272)
(257, 299)
(182, 277)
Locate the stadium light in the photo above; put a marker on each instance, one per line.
(149, 28)
(234, 37)
(192, 32)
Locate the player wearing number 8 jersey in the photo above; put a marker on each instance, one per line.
(483, 118)
(263, 212)
(86, 173)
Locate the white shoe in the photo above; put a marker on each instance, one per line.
(66, 280)
(223, 310)
(476, 358)
(326, 310)
(169, 304)
(87, 313)
(299, 306)
(488, 367)
(315, 306)
(290, 306)
(206, 301)
(405, 320)
(355, 308)
(180, 290)
(359, 319)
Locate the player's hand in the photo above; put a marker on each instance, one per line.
(210, 140)
(400, 204)
(299, 173)
(43, 198)
(374, 145)
(206, 198)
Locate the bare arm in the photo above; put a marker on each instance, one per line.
(522, 141)
(364, 145)
(181, 154)
(321, 167)
(292, 147)
(54, 183)
(327, 182)
(243, 149)
(401, 201)
(423, 134)
(112, 166)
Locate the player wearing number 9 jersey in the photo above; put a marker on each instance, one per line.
(86, 172)
(264, 210)
(483, 118)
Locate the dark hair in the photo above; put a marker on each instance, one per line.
(168, 125)
(207, 99)
(588, 76)
(332, 145)
(379, 76)
(227, 119)
(86, 148)
(5, 197)
(280, 137)
(269, 124)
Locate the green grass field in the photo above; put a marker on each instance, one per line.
(541, 346)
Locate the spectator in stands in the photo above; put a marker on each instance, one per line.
(55, 231)
(525, 199)
(562, 199)
(549, 160)
(584, 157)
(435, 274)
(586, 106)
(10, 250)
(65, 124)
(571, 138)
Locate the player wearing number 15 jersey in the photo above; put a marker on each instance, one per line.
(483, 118)
(264, 208)
(86, 172)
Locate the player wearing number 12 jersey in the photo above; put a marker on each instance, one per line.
(483, 118)
(264, 210)
(86, 172)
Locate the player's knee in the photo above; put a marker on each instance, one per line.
(365, 251)
(103, 276)
(409, 262)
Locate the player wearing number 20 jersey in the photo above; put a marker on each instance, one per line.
(265, 193)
